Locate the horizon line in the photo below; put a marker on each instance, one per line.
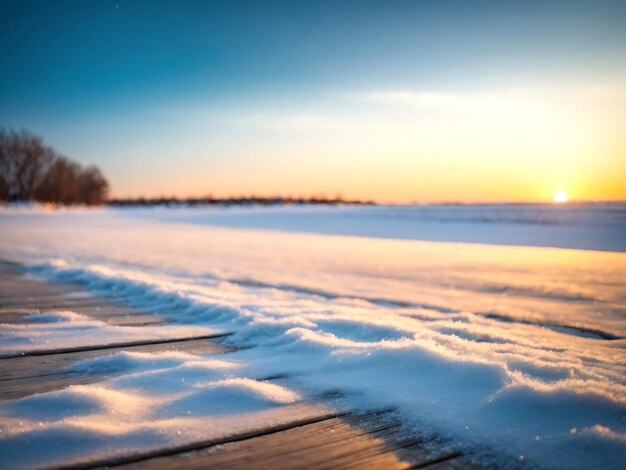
(347, 200)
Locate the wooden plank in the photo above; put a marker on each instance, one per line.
(116, 315)
(456, 463)
(20, 282)
(160, 343)
(23, 376)
(370, 440)
(36, 371)
(56, 301)
(218, 430)
(21, 295)
(311, 445)
(289, 437)
(28, 366)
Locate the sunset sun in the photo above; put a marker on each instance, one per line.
(560, 197)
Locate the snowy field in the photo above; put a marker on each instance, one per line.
(515, 353)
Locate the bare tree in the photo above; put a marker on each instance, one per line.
(6, 167)
(24, 160)
(94, 187)
(61, 182)
(29, 170)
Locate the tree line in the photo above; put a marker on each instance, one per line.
(33, 171)
(234, 201)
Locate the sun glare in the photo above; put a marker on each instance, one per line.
(560, 197)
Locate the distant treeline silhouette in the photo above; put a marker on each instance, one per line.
(232, 201)
(32, 171)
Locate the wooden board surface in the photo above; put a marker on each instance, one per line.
(37, 371)
(291, 437)
(368, 440)
(26, 375)
(99, 309)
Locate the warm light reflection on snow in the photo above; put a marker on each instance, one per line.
(518, 345)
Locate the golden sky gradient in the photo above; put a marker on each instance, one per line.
(395, 101)
(405, 146)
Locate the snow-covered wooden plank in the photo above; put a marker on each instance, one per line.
(367, 440)
(194, 434)
(23, 376)
(114, 315)
(298, 435)
(21, 296)
(40, 370)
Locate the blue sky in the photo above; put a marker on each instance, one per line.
(204, 92)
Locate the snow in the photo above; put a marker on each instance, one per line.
(591, 226)
(501, 349)
(164, 402)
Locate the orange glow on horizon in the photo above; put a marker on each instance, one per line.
(505, 146)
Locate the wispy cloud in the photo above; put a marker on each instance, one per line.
(517, 98)
(437, 100)
(296, 121)
(409, 97)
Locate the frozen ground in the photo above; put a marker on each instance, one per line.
(516, 353)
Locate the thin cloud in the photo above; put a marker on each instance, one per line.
(436, 100)
(412, 98)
